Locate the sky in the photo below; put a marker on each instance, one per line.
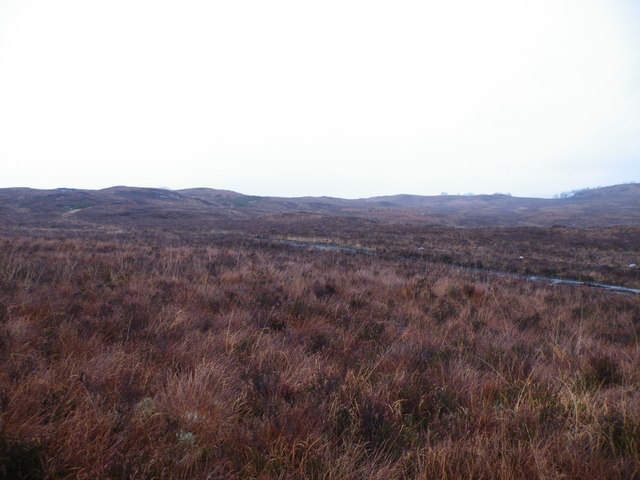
(346, 98)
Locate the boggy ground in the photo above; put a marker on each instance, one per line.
(602, 254)
(150, 356)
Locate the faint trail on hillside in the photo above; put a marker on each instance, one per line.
(532, 278)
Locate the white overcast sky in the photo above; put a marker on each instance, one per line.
(346, 98)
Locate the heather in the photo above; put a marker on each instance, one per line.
(157, 355)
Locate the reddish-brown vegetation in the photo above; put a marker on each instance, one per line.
(165, 355)
(607, 254)
(205, 208)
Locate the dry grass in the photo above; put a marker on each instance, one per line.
(602, 254)
(146, 356)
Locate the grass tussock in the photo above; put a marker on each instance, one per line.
(150, 358)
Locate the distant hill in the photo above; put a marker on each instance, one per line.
(209, 208)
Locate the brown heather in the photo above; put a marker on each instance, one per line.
(213, 357)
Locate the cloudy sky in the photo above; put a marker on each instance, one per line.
(346, 98)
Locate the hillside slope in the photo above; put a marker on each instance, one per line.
(205, 208)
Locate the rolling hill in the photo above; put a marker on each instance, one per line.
(209, 208)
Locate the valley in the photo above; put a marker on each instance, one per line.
(145, 341)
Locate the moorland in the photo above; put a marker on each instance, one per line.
(153, 334)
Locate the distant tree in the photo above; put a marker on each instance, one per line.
(577, 192)
(565, 194)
